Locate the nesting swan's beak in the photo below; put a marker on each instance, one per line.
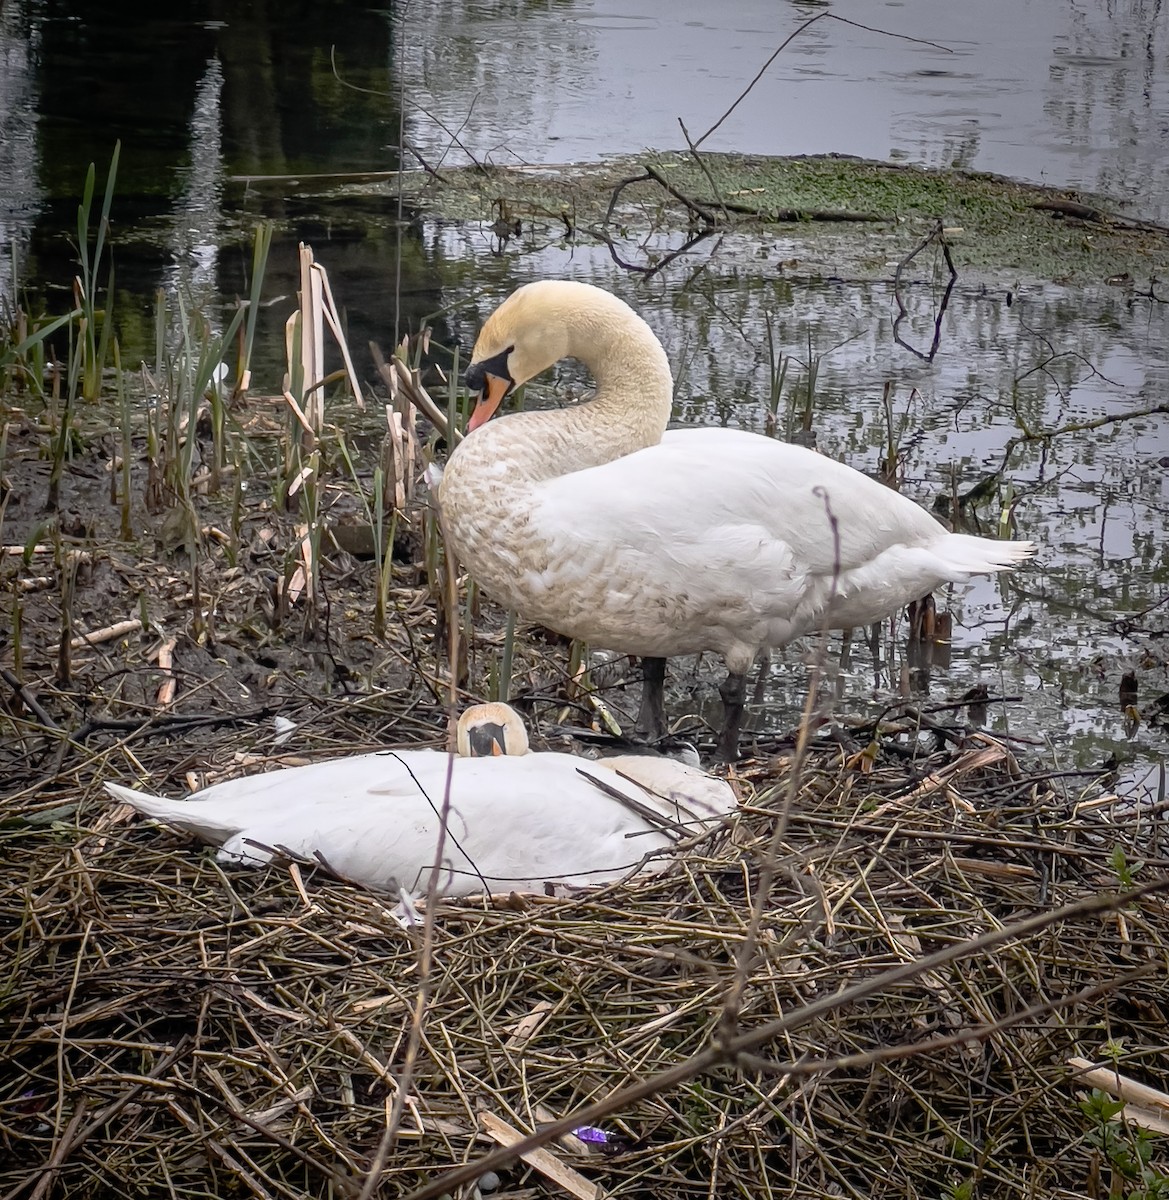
(491, 381)
(487, 739)
(488, 730)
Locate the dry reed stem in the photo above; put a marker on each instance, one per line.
(312, 341)
(437, 870)
(169, 685)
(107, 634)
(1144, 1106)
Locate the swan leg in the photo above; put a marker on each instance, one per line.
(733, 691)
(651, 716)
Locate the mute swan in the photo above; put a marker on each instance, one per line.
(594, 521)
(516, 822)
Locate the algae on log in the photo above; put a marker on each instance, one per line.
(836, 215)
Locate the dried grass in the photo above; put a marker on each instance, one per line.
(174, 1027)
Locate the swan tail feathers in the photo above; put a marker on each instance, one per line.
(180, 814)
(967, 555)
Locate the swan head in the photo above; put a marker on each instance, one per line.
(485, 730)
(525, 335)
(536, 326)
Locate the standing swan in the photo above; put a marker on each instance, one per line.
(516, 820)
(596, 522)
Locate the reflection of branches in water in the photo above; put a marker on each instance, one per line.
(788, 41)
(1151, 293)
(937, 234)
(649, 271)
(1046, 435)
(1129, 625)
(1053, 356)
(960, 508)
(1123, 625)
(1029, 434)
(403, 103)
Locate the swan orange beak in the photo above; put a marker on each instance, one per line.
(490, 398)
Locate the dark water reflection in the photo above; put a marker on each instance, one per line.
(202, 93)
(153, 74)
(197, 92)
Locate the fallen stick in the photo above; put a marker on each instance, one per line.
(28, 699)
(1145, 1106)
(544, 1161)
(132, 625)
(166, 693)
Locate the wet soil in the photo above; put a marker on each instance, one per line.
(243, 650)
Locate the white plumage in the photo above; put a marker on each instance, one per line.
(596, 522)
(516, 821)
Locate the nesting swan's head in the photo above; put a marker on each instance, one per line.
(486, 730)
(536, 326)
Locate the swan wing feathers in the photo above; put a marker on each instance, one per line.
(682, 793)
(511, 821)
(213, 827)
(290, 800)
(717, 521)
(696, 487)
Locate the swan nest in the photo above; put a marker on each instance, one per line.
(172, 1026)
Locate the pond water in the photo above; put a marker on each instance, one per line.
(209, 97)
(1055, 632)
(1050, 91)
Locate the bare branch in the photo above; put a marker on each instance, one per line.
(936, 233)
(791, 38)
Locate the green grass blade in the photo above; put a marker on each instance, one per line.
(106, 206)
(83, 211)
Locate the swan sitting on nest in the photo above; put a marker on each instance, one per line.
(517, 820)
(596, 522)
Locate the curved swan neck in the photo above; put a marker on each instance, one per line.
(634, 385)
(634, 389)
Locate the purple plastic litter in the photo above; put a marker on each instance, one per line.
(590, 1133)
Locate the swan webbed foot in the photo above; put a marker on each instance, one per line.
(733, 691)
(651, 716)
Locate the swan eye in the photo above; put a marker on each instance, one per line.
(478, 372)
